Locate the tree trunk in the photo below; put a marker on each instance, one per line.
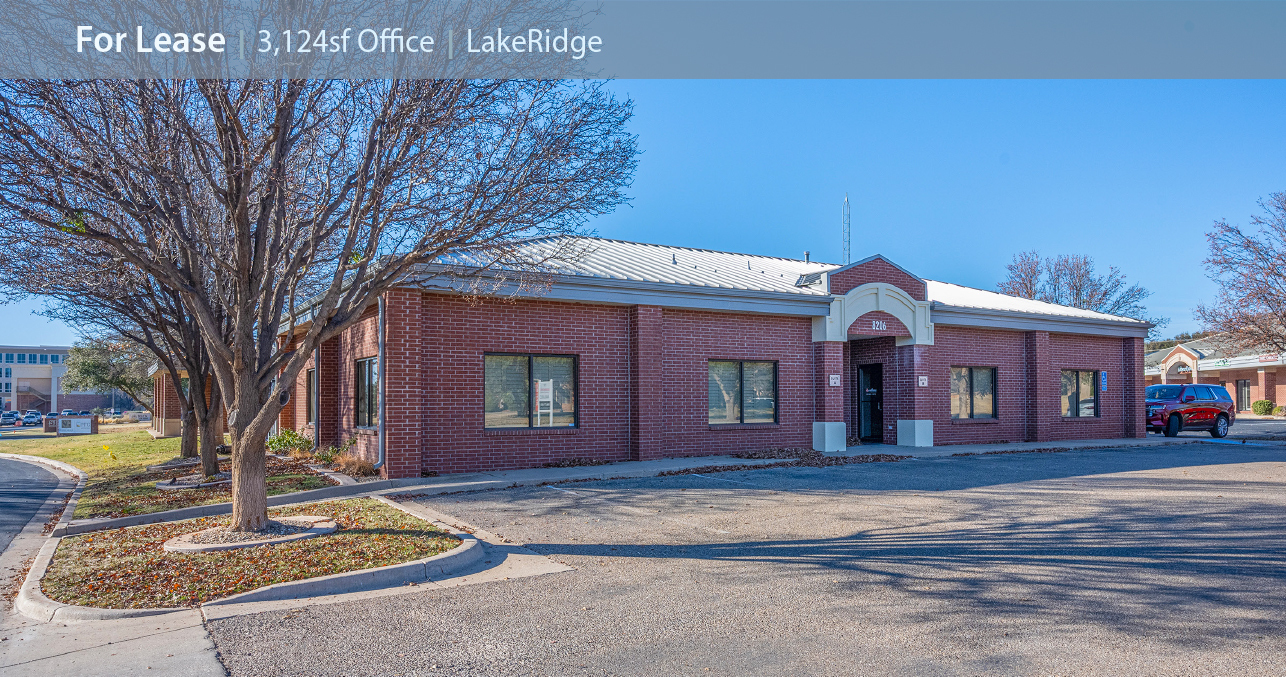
(188, 442)
(249, 458)
(212, 431)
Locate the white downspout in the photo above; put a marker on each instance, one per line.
(379, 363)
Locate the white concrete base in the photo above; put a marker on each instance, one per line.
(829, 436)
(914, 433)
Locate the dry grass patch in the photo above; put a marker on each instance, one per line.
(127, 569)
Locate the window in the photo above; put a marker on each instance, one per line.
(44, 359)
(512, 383)
(1205, 394)
(8, 372)
(310, 395)
(31, 358)
(1080, 393)
(742, 392)
(8, 357)
(53, 359)
(1243, 394)
(368, 392)
(22, 358)
(973, 392)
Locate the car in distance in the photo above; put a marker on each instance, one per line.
(85, 413)
(67, 412)
(32, 418)
(8, 418)
(1172, 408)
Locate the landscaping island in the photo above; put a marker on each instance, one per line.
(129, 568)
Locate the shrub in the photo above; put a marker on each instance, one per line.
(291, 443)
(1279, 411)
(1261, 407)
(354, 466)
(328, 455)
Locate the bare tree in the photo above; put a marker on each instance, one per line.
(1025, 274)
(1072, 280)
(88, 286)
(288, 207)
(1249, 266)
(110, 363)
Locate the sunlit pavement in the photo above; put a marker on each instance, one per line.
(1160, 560)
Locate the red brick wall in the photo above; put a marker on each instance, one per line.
(693, 338)
(1027, 378)
(877, 270)
(358, 342)
(863, 326)
(458, 333)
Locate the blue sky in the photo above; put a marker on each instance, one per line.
(947, 178)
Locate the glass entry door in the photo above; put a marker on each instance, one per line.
(870, 402)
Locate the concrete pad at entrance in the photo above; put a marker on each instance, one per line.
(173, 644)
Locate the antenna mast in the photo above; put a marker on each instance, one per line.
(847, 229)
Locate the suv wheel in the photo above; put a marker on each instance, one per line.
(1172, 426)
(1221, 428)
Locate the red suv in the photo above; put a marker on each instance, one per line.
(1172, 408)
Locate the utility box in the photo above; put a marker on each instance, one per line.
(77, 425)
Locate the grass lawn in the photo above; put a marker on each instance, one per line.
(119, 483)
(126, 568)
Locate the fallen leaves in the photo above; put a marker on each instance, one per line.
(127, 568)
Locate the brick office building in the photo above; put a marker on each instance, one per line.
(644, 351)
(1249, 375)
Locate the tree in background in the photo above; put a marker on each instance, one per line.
(1072, 280)
(110, 363)
(1249, 267)
(286, 208)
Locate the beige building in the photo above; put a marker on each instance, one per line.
(31, 378)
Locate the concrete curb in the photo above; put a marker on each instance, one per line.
(33, 603)
(79, 475)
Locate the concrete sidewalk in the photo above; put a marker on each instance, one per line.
(967, 449)
(518, 478)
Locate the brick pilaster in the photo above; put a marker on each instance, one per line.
(647, 383)
(401, 373)
(1042, 387)
(328, 394)
(1267, 381)
(1132, 388)
(828, 360)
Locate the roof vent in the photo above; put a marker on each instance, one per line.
(808, 280)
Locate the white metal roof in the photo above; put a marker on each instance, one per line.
(968, 297)
(640, 262)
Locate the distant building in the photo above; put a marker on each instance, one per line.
(31, 378)
(1248, 374)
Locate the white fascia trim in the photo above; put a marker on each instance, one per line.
(1057, 324)
(634, 293)
(1244, 362)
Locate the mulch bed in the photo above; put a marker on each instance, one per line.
(790, 458)
(138, 494)
(127, 569)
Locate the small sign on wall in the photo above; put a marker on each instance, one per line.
(1102, 381)
(835, 379)
(924, 381)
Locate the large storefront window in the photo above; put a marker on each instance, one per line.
(973, 392)
(1079, 396)
(368, 392)
(529, 391)
(742, 392)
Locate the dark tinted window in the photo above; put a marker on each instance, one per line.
(1221, 393)
(1204, 393)
(1163, 392)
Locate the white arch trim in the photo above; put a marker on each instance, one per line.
(1177, 358)
(871, 297)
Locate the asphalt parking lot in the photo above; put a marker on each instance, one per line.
(1156, 560)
